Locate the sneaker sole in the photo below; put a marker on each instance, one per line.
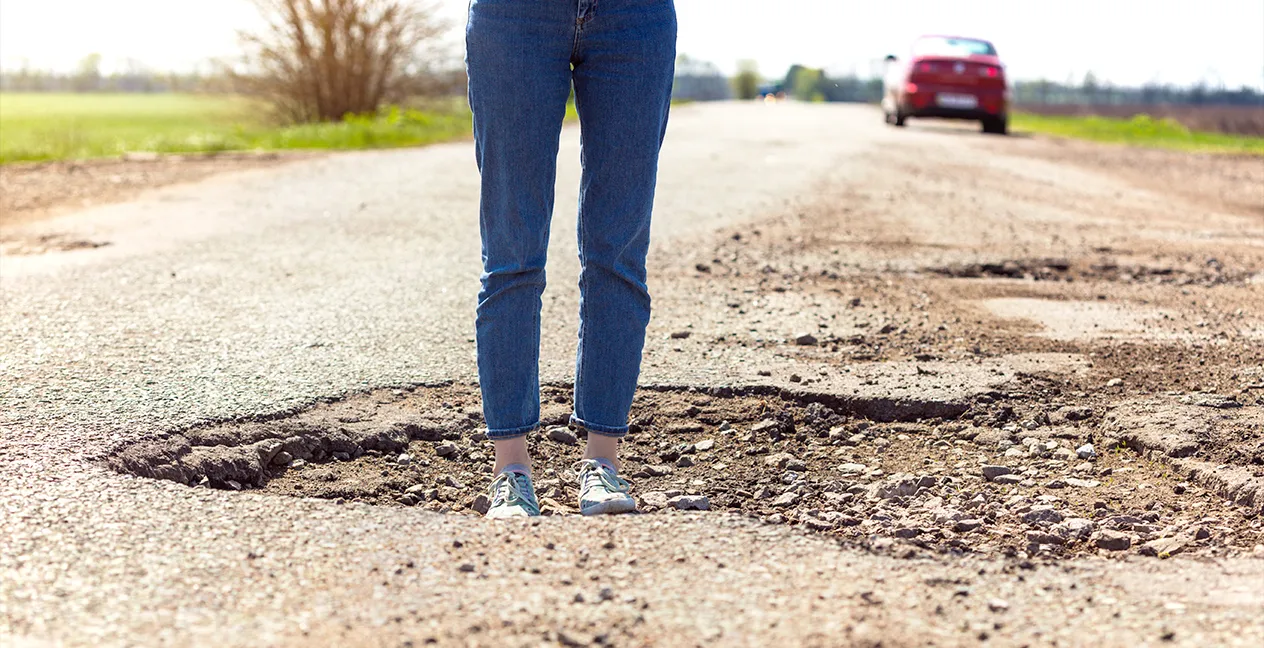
(497, 515)
(610, 507)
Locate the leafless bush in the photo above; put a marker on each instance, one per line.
(321, 60)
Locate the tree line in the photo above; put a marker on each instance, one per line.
(814, 84)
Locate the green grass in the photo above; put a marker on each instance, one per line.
(1141, 130)
(39, 126)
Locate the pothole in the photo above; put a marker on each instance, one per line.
(905, 486)
(1210, 272)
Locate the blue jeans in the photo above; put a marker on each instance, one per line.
(523, 57)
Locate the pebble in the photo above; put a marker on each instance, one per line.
(606, 593)
(1082, 483)
(467, 567)
(817, 524)
(1114, 382)
(1086, 451)
(990, 472)
(787, 499)
(1079, 528)
(998, 605)
(684, 462)
(563, 435)
(446, 449)
(1112, 540)
(452, 482)
(298, 463)
(690, 503)
(404, 459)
(655, 499)
(1009, 479)
(807, 339)
(680, 335)
(1046, 538)
(780, 460)
(481, 503)
(852, 468)
(966, 526)
(703, 446)
(282, 458)
(1042, 515)
(1165, 547)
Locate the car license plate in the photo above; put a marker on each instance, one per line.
(958, 101)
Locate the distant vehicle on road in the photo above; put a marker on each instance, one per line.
(948, 77)
(772, 92)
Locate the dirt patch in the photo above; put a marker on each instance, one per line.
(30, 192)
(987, 484)
(1078, 320)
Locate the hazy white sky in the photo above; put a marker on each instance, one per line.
(1124, 41)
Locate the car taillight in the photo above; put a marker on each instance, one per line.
(926, 67)
(989, 72)
(911, 88)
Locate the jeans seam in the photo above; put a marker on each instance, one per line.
(583, 291)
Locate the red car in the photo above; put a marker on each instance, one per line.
(948, 77)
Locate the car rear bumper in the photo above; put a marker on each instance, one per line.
(952, 113)
(924, 102)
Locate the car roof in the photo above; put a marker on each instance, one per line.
(952, 37)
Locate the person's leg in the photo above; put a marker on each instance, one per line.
(518, 59)
(624, 66)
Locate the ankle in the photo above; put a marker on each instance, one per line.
(605, 449)
(522, 468)
(512, 452)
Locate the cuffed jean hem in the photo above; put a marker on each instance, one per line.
(511, 433)
(600, 430)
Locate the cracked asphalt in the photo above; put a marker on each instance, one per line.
(260, 293)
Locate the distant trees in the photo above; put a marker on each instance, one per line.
(746, 83)
(811, 84)
(1092, 92)
(88, 76)
(698, 80)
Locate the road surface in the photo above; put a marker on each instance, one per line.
(258, 294)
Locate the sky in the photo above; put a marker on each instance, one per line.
(1126, 42)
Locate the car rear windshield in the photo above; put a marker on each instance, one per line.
(939, 46)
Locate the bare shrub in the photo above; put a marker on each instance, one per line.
(321, 60)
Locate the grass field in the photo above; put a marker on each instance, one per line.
(1141, 130)
(39, 126)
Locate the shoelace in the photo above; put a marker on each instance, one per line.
(610, 480)
(514, 489)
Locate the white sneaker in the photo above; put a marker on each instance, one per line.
(601, 490)
(512, 496)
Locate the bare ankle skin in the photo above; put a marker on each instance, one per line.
(510, 452)
(602, 447)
